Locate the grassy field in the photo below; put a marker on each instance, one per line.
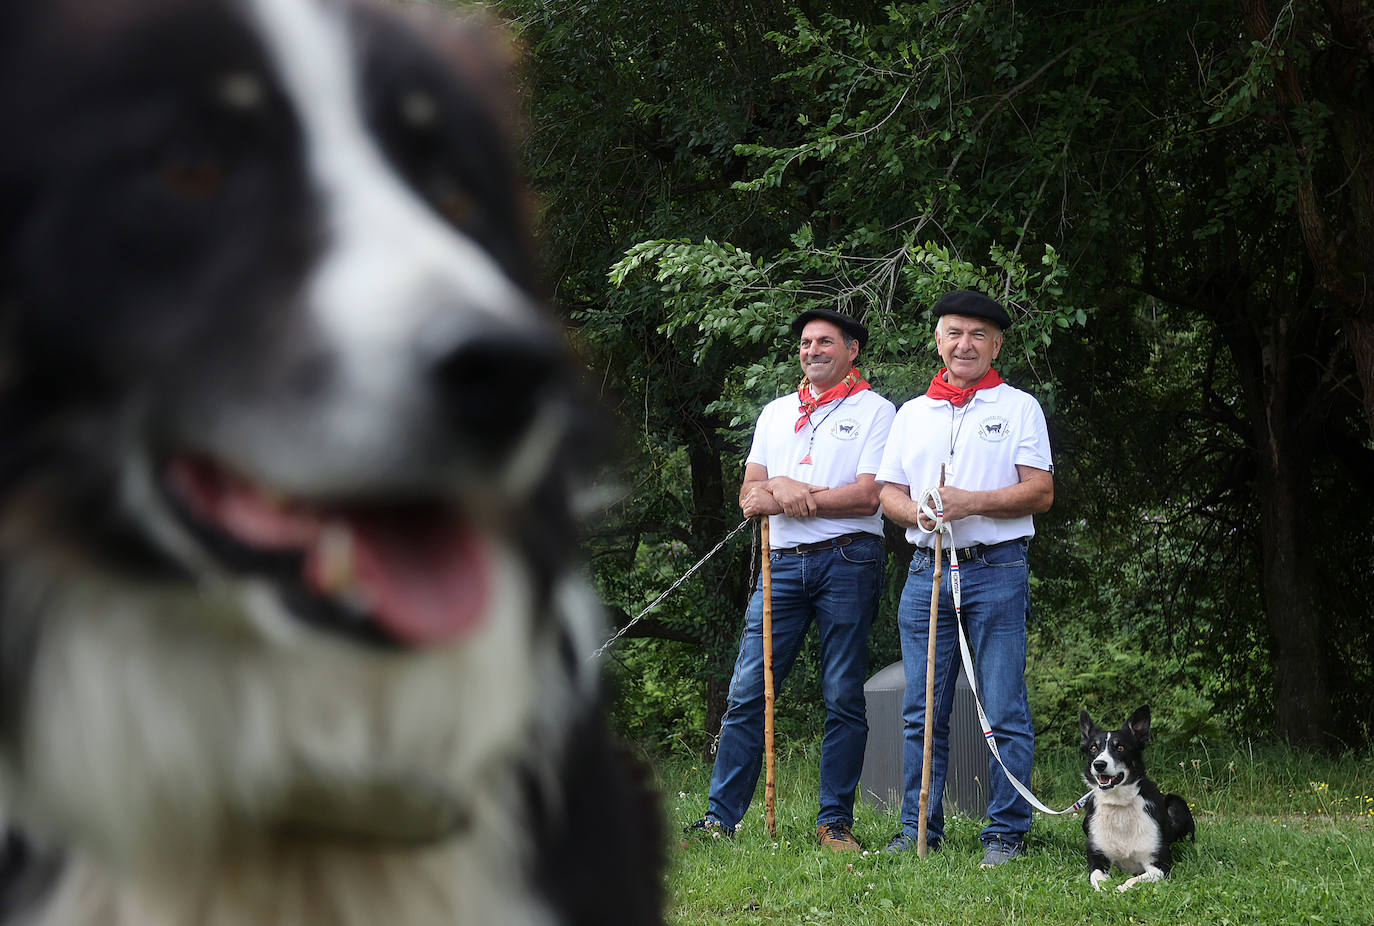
(1282, 838)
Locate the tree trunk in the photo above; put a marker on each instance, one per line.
(1360, 331)
(726, 575)
(1302, 696)
(1273, 362)
(1337, 222)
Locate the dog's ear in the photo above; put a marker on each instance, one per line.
(1140, 723)
(1086, 726)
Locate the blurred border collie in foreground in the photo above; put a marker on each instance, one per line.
(290, 624)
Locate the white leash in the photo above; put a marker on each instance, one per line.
(933, 508)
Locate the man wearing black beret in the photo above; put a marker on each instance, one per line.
(969, 303)
(811, 471)
(990, 442)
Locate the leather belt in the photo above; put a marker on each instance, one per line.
(971, 552)
(834, 543)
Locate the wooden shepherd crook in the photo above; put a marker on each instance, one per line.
(930, 691)
(770, 787)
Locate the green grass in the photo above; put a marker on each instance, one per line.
(1282, 838)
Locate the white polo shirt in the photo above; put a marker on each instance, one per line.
(849, 437)
(997, 430)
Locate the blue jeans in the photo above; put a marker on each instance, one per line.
(839, 588)
(996, 602)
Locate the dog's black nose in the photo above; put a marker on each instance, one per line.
(1099, 766)
(492, 384)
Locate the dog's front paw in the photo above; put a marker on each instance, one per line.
(1098, 878)
(1150, 873)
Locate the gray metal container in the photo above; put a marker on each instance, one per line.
(881, 780)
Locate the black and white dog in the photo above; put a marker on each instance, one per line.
(1128, 822)
(291, 629)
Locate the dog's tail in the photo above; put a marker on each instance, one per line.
(1180, 818)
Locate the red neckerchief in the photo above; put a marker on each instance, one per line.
(940, 389)
(851, 384)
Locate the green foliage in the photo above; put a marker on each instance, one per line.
(1152, 601)
(659, 706)
(1110, 674)
(713, 292)
(886, 121)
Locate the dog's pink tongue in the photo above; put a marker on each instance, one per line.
(425, 581)
(238, 508)
(423, 573)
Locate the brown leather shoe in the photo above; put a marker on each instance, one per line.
(837, 837)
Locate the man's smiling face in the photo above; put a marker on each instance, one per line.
(967, 346)
(826, 358)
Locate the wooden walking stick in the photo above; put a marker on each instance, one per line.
(930, 691)
(770, 817)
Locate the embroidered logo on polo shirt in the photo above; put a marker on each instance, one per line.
(845, 429)
(994, 428)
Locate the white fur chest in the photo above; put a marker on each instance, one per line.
(1122, 829)
(464, 882)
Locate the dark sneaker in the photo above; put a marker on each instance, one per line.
(703, 829)
(999, 852)
(837, 837)
(905, 842)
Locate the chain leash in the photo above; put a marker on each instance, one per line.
(672, 588)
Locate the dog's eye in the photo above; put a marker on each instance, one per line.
(422, 150)
(1120, 748)
(203, 148)
(190, 174)
(452, 201)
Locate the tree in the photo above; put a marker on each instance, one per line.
(1235, 188)
(1101, 170)
(1313, 69)
(637, 108)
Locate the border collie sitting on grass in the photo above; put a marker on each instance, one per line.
(1127, 821)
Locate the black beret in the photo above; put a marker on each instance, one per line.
(846, 324)
(973, 305)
